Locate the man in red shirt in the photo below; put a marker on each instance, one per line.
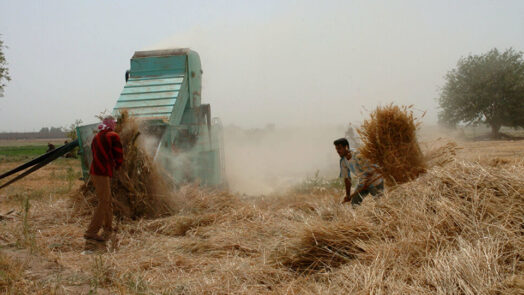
(107, 155)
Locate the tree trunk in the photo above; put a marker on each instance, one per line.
(495, 128)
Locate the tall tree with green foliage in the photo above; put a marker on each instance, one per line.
(487, 88)
(4, 70)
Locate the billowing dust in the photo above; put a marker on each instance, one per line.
(267, 160)
(262, 161)
(272, 159)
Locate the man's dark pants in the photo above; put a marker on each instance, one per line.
(375, 190)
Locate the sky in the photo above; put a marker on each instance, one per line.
(289, 63)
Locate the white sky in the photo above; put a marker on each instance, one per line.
(282, 62)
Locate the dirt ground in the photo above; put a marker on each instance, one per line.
(194, 252)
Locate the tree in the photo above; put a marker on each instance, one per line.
(487, 89)
(4, 71)
(71, 131)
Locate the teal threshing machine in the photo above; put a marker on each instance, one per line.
(163, 88)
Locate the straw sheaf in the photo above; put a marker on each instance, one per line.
(389, 140)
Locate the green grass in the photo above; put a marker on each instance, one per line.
(25, 153)
(18, 153)
(25, 150)
(317, 183)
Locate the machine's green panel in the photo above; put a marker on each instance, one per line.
(158, 66)
(140, 103)
(136, 95)
(165, 80)
(153, 98)
(195, 79)
(85, 135)
(156, 82)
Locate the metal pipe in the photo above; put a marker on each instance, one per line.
(42, 161)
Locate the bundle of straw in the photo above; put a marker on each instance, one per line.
(325, 245)
(390, 141)
(138, 187)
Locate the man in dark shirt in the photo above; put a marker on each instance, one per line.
(107, 155)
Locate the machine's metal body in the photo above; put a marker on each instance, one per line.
(163, 89)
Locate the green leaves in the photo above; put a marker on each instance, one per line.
(4, 70)
(486, 88)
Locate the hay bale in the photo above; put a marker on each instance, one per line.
(389, 140)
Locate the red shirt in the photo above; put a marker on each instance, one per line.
(107, 153)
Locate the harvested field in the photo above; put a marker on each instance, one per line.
(455, 230)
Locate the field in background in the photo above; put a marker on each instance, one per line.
(31, 142)
(25, 149)
(479, 131)
(220, 243)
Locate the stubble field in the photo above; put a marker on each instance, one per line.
(458, 229)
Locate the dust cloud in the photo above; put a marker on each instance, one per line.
(261, 161)
(268, 160)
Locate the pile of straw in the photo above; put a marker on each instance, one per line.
(457, 227)
(138, 187)
(196, 208)
(326, 245)
(440, 152)
(389, 140)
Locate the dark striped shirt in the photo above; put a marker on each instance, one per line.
(107, 153)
